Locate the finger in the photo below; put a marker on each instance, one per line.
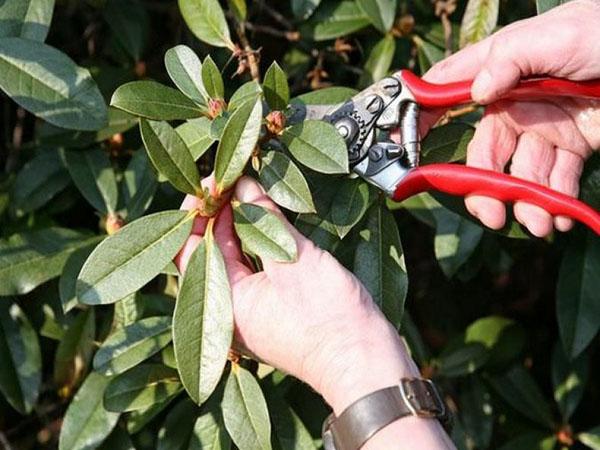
(491, 148)
(249, 191)
(230, 246)
(183, 257)
(533, 161)
(564, 177)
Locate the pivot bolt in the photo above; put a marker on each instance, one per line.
(374, 104)
(392, 86)
(376, 153)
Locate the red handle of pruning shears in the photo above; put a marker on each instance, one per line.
(463, 181)
(430, 95)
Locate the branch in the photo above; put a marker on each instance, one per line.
(248, 53)
(276, 15)
(292, 36)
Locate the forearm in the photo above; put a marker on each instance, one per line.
(378, 361)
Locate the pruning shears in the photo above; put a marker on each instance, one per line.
(395, 102)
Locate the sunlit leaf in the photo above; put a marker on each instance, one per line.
(196, 135)
(381, 13)
(245, 411)
(212, 79)
(29, 19)
(127, 260)
(46, 82)
(480, 19)
(141, 387)
(185, 69)
(237, 143)
(263, 233)
(207, 21)
(317, 145)
(203, 321)
(275, 85)
(170, 155)
(87, 423)
(130, 345)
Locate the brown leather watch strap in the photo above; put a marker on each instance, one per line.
(365, 417)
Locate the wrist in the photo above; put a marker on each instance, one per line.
(368, 357)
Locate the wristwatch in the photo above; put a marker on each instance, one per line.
(361, 420)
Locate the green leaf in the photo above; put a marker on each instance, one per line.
(428, 53)
(577, 300)
(129, 22)
(139, 185)
(245, 411)
(318, 146)
(40, 180)
(237, 143)
(87, 423)
(31, 258)
(546, 5)
(177, 429)
(203, 321)
(285, 183)
(94, 176)
(170, 155)
(480, 19)
(47, 83)
(217, 126)
(185, 69)
(326, 96)
(128, 311)
(275, 85)
(379, 62)
(337, 19)
(351, 203)
(74, 352)
(447, 143)
(154, 101)
(455, 240)
(209, 432)
(460, 358)
(591, 438)
(207, 21)
(118, 122)
(379, 262)
(381, 13)
(477, 413)
(138, 419)
(127, 260)
(28, 19)
(212, 79)
(503, 338)
(531, 441)
(569, 379)
(247, 91)
(288, 428)
(141, 387)
(21, 368)
(263, 233)
(303, 9)
(518, 388)
(196, 135)
(68, 277)
(239, 9)
(130, 345)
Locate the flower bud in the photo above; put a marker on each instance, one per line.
(276, 122)
(114, 223)
(216, 106)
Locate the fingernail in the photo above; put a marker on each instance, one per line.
(481, 86)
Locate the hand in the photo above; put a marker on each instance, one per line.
(313, 319)
(547, 140)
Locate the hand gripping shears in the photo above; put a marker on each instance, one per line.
(395, 102)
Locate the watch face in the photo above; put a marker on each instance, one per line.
(422, 398)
